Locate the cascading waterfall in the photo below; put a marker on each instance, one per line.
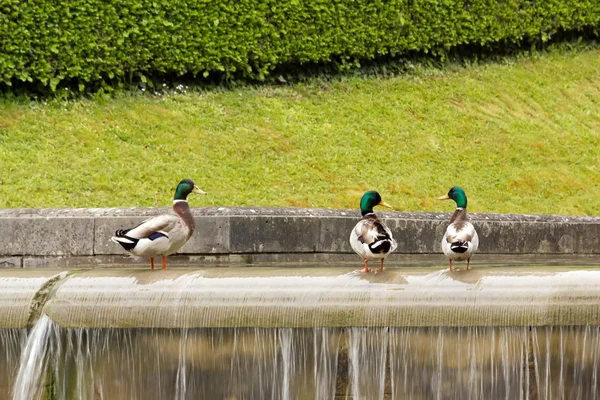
(195, 363)
(367, 355)
(566, 362)
(12, 342)
(458, 363)
(303, 335)
(310, 363)
(31, 378)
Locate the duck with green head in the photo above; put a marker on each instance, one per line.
(371, 238)
(165, 234)
(460, 241)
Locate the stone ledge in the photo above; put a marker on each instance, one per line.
(280, 211)
(241, 233)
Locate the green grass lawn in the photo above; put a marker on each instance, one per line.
(522, 136)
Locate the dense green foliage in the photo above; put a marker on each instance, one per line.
(79, 42)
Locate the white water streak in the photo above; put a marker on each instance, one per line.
(32, 370)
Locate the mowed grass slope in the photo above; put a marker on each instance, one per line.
(519, 137)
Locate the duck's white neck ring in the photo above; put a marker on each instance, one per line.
(179, 201)
(459, 208)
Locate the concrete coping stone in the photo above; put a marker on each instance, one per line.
(255, 230)
(280, 212)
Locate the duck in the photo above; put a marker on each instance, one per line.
(460, 240)
(371, 239)
(165, 234)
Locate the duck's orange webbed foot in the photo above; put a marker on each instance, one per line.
(366, 267)
(382, 267)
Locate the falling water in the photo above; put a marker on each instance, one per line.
(310, 363)
(249, 363)
(566, 362)
(31, 378)
(393, 336)
(458, 363)
(286, 345)
(367, 351)
(12, 341)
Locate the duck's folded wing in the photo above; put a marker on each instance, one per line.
(366, 231)
(162, 224)
(372, 230)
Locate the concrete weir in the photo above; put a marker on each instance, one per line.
(266, 303)
(302, 297)
(304, 332)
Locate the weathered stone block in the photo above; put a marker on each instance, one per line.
(417, 236)
(335, 234)
(535, 237)
(263, 234)
(24, 235)
(11, 262)
(210, 237)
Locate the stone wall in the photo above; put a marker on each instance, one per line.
(81, 237)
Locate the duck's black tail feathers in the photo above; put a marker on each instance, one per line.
(127, 242)
(380, 246)
(121, 232)
(459, 247)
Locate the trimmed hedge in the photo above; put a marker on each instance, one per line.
(86, 41)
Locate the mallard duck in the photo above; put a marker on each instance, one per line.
(165, 234)
(460, 241)
(371, 238)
